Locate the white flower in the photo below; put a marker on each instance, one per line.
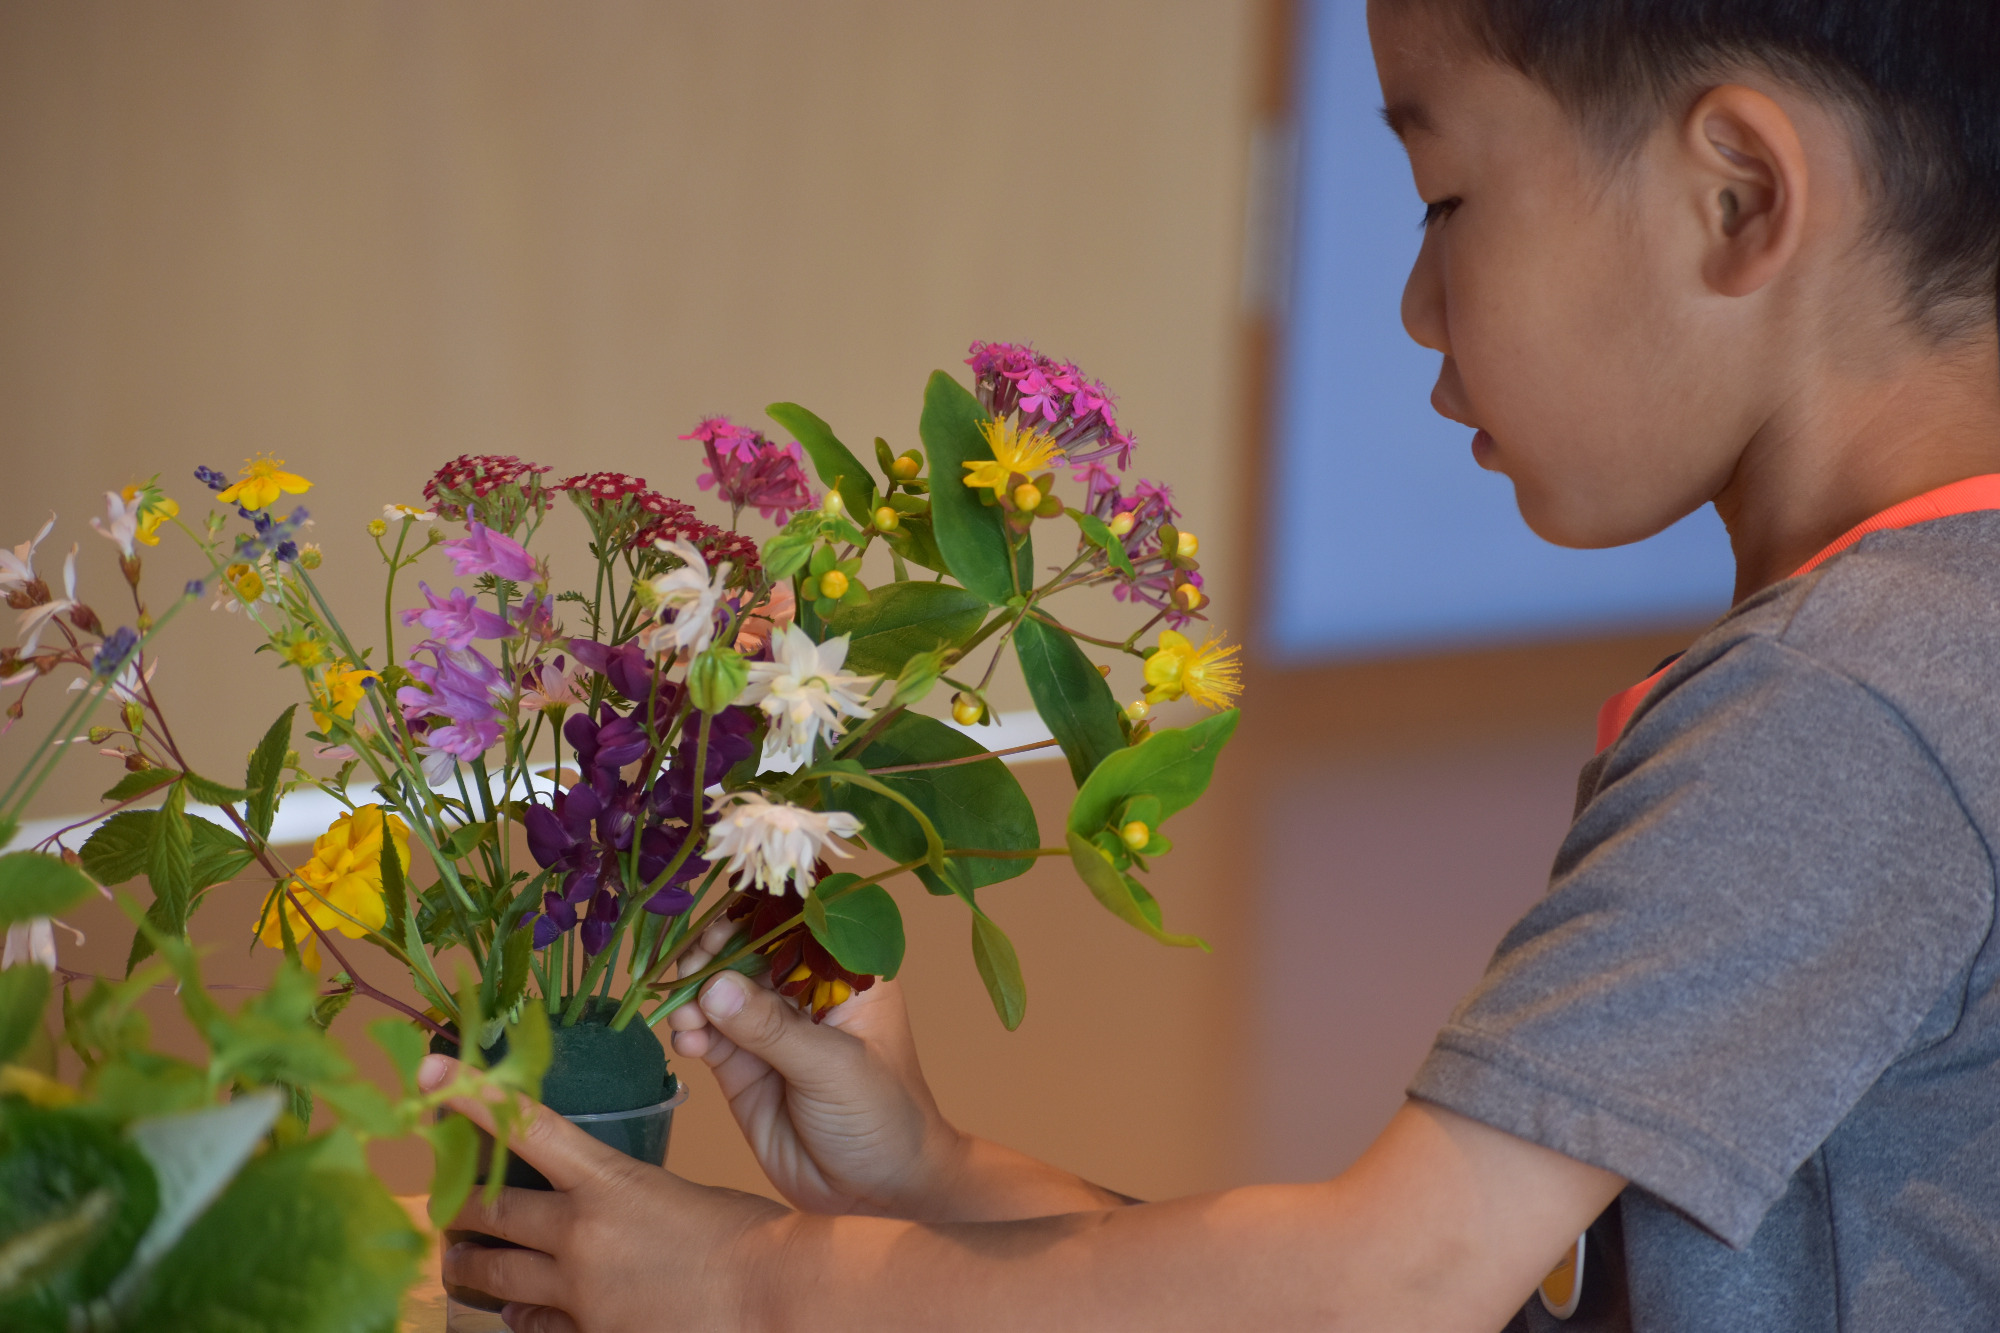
(34, 941)
(395, 513)
(17, 567)
(36, 619)
(126, 686)
(691, 593)
(775, 844)
(804, 693)
(124, 515)
(554, 685)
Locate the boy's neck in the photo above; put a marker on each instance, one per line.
(1849, 447)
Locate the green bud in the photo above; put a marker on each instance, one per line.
(918, 676)
(885, 456)
(716, 679)
(99, 735)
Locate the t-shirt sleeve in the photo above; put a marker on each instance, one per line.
(1771, 889)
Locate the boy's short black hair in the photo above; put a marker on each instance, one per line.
(1919, 79)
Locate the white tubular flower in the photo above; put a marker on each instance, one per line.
(17, 567)
(36, 619)
(775, 845)
(691, 593)
(804, 693)
(31, 941)
(124, 524)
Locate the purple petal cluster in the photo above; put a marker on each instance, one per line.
(455, 707)
(1053, 397)
(484, 551)
(1151, 506)
(456, 620)
(748, 470)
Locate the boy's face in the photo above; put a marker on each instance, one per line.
(1604, 378)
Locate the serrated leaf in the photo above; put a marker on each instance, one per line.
(24, 998)
(116, 851)
(214, 793)
(267, 767)
(134, 785)
(169, 861)
(836, 464)
(902, 620)
(454, 1144)
(74, 1200)
(142, 942)
(1000, 968)
(36, 884)
(1071, 696)
(861, 927)
(194, 1156)
(515, 955)
(404, 1045)
(971, 536)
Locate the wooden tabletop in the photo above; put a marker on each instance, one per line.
(423, 1307)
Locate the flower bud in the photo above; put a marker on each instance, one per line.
(887, 519)
(134, 717)
(309, 557)
(1187, 546)
(833, 506)
(1138, 710)
(833, 584)
(1027, 497)
(376, 527)
(1188, 597)
(1136, 835)
(99, 735)
(716, 679)
(966, 710)
(1121, 523)
(907, 466)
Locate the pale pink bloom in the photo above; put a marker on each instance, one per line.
(556, 683)
(17, 567)
(690, 592)
(36, 619)
(774, 846)
(124, 524)
(34, 941)
(126, 685)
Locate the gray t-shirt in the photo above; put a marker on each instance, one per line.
(1763, 985)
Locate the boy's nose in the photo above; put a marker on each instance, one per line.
(1423, 301)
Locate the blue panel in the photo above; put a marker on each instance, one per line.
(1389, 537)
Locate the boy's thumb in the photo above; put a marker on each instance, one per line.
(758, 1020)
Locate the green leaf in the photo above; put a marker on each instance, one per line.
(214, 792)
(1071, 696)
(142, 942)
(24, 996)
(267, 767)
(134, 785)
(515, 956)
(835, 462)
(904, 619)
(839, 773)
(455, 1148)
(971, 536)
(405, 1046)
(1174, 766)
(36, 884)
(194, 1155)
(976, 805)
(463, 840)
(9, 826)
(787, 553)
(916, 541)
(333, 1252)
(1099, 535)
(116, 851)
(1123, 895)
(74, 1200)
(862, 928)
(1000, 968)
(169, 861)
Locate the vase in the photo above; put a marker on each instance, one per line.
(614, 1086)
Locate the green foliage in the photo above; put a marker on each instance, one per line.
(267, 768)
(861, 927)
(1124, 896)
(24, 996)
(454, 1144)
(1098, 535)
(1000, 968)
(971, 536)
(1173, 766)
(836, 464)
(903, 620)
(213, 792)
(134, 785)
(118, 850)
(404, 1045)
(75, 1198)
(1070, 694)
(971, 805)
(36, 884)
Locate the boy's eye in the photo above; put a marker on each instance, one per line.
(1438, 212)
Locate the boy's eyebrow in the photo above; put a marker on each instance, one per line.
(1403, 117)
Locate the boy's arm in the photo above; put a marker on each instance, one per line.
(1444, 1224)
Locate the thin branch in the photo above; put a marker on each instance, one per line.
(968, 759)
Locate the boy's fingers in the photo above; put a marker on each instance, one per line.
(537, 1319)
(759, 1022)
(538, 1219)
(541, 1138)
(528, 1276)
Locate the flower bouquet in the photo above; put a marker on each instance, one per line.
(602, 754)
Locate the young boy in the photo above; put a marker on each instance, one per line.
(1677, 252)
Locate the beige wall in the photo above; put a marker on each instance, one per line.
(367, 236)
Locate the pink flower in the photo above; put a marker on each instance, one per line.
(1053, 396)
(747, 469)
(775, 612)
(488, 552)
(457, 620)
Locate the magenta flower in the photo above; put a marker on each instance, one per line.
(485, 551)
(457, 620)
(462, 686)
(747, 469)
(1054, 397)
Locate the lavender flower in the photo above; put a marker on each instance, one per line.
(114, 651)
(485, 551)
(455, 621)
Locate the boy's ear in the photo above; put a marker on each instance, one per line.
(1750, 170)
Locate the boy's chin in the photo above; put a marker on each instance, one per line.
(1583, 526)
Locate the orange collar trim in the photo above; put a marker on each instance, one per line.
(1970, 496)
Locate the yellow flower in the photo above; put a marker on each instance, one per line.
(154, 509)
(339, 690)
(300, 648)
(1210, 674)
(245, 579)
(263, 480)
(1024, 451)
(341, 887)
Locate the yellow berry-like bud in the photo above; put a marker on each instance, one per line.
(906, 467)
(887, 519)
(1188, 546)
(1189, 597)
(966, 710)
(376, 527)
(1138, 710)
(1026, 496)
(1121, 523)
(1136, 835)
(833, 506)
(840, 992)
(833, 584)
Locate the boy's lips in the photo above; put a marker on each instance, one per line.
(1483, 449)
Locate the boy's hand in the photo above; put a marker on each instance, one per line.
(838, 1112)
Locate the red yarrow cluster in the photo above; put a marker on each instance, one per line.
(477, 476)
(603, 487)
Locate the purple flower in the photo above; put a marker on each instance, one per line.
(606, 745)
(1052, 396)
(457, 620)
(114, 651)
(463, 740)
(747, 469)
(632, 676)
(597, 926)
(557, 917)
(463, 686)
(485, 551)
